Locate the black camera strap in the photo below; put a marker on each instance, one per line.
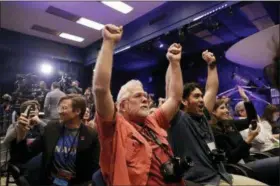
(151, 136)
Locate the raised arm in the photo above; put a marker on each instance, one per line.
(167, 81)
(212, 83)
(175, 81)
(103, 71)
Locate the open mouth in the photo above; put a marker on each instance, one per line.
(201, 107)
(145, 107)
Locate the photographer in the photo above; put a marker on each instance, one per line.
(5, 113)
(35, 127)
(15, 131)
(75, 89)
(134, 146)
(190, 133)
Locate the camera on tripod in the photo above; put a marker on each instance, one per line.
(26, 87)
(65, 82)
(173, 170)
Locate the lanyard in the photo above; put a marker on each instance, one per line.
(151, 136)
(67, 155)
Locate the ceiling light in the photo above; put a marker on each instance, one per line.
(71, 37)
(122, 49)
(90, 23)
(119, 6)
(210, 12)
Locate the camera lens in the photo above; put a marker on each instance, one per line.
(186, 163)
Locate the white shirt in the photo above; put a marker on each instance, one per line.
(264, 141)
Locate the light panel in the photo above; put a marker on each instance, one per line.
(71, 37)
(119, 6)
(90, 23)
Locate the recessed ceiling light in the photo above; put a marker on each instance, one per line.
(119, 6)
(71, 37)
(90, 23)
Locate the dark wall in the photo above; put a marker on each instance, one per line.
(29, 45)
(13, 63)
(22, 54)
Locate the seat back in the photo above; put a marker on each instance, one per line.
(97, 179)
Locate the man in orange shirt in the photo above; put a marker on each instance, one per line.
(134, 146)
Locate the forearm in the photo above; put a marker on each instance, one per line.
(103, 67)
(212, 83)
(10, 135)
(167, 81)
(175, 89)
(212, 86)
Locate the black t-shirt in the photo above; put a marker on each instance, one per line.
(188, 136)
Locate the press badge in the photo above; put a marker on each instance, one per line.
(211, 145)
(60, 182)
(63, 177)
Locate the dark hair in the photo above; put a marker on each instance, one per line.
(78, 102)
(55, 85)
(25, 104)
(218, 103)
(268, 113)
(188, 88)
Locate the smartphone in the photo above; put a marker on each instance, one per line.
(31, 111)
(254, 124)
(251, 112)
(27, 111)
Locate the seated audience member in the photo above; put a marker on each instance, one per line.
(36, 124)
(264, 141)
(269, 119)
(51, 101)
(134, 146)
(228, 138)
(190, 134)
(70, 150)
(36, 129)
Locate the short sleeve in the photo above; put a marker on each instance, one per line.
(160, 118)
(104, 128)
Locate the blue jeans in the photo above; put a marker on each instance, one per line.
(266, 170)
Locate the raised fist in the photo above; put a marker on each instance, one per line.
(174, 53)
(208, 57)
(112, 33)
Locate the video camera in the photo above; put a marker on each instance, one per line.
(65, 82)
(27, 87)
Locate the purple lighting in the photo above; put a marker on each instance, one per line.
(161, 45)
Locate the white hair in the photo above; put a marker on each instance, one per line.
(239, 106)
(127, 89)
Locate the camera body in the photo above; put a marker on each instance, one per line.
(26, 87)
(173, 170)
(218, 156)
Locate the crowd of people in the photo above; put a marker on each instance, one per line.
(189, 138)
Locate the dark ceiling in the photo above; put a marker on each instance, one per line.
(217, 31)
